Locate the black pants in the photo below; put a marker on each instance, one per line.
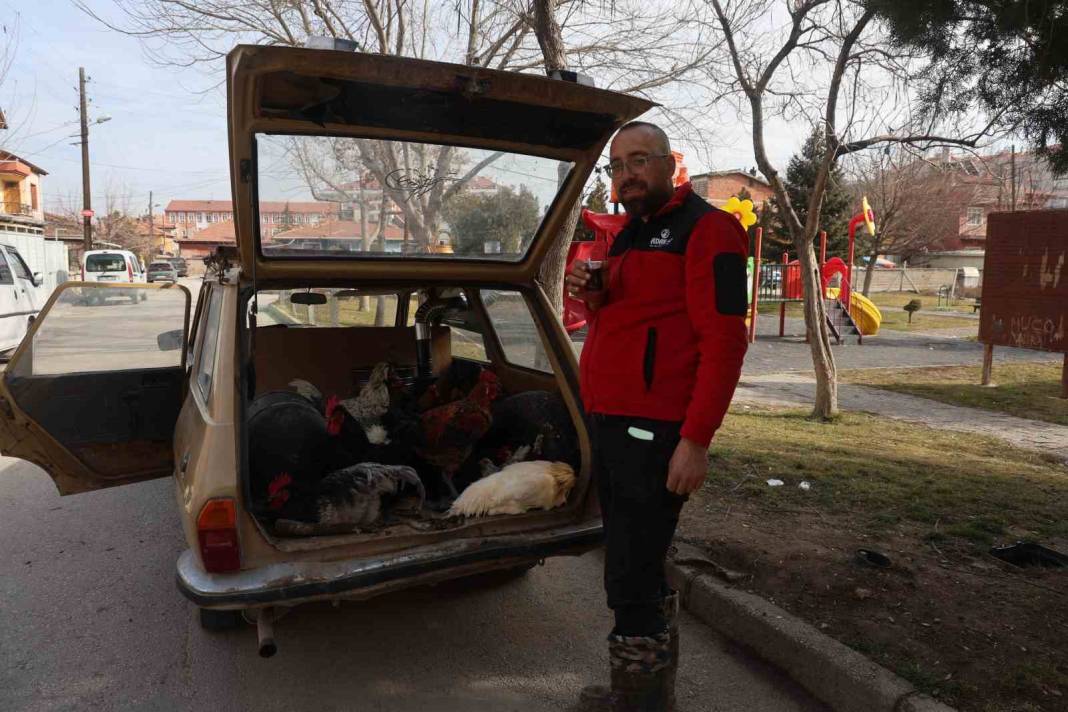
(639, 513)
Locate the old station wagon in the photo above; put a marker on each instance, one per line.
(409, 266)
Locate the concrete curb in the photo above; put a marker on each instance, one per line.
(834, 673)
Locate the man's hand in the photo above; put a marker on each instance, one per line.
(576, 282)
(688, 468)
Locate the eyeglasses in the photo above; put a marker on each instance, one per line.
(635, 164)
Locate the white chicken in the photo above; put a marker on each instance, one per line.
(517, 488)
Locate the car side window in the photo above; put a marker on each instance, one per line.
(5, 271)
(207, 341)
(17, 264)
(516, 330)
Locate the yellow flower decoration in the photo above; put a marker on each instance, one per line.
(741, 209)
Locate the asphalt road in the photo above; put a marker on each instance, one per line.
(90, 619)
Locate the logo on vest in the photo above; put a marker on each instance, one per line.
(663, 240)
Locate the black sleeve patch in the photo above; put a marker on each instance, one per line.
(728, 269)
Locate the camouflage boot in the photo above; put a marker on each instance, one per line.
(643, 676)
(595, 698)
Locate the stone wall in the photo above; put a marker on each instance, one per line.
(903, 280)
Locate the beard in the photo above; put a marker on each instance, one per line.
(648, 200)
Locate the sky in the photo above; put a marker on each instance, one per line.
(167, 128)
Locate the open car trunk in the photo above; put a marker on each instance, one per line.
(339, 448)
(372, 174)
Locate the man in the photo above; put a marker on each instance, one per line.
(664, 352)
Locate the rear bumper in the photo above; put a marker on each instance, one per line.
(308, 581)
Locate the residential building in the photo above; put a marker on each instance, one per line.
(21, 209)
(717, 187)
(22, 220)
(199, 214)
(194, 246)
(336, 236)
(978, 185)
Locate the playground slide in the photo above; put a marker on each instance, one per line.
(865, 313)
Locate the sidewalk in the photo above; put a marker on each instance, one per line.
(796, 389)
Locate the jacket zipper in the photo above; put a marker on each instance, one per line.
(649, 360)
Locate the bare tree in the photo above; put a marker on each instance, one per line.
(819, 63)
(627, 45)
(917, 203)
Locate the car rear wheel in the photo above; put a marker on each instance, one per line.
(219, 621)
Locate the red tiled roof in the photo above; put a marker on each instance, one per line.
(339, 229)
(8, 156)
(219, 232)
(266, 206)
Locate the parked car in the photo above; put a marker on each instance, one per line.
(194, 407)
(162, 271)
(21, 297)
(180, 266)
(112, 267)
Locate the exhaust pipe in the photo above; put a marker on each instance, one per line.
(265, 632)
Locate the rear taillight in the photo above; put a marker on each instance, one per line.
(217, 533)
(129, 271)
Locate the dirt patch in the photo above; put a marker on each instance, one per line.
(976, 632)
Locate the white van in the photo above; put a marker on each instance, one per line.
(114, 266)
(21, 297)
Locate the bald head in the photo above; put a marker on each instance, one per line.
(657, 137)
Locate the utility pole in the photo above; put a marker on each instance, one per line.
(150, 227)
(87, 215)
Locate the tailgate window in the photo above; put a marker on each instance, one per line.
(351, 198)
(105, 263)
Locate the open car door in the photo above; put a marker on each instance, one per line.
(93, 391)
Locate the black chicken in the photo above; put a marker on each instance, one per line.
(286, 434)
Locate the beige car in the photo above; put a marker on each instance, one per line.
(386, 209)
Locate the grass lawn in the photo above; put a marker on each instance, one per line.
(1026, 390)
(893, 317)
(979, 633)
(899, 321)
(928, 300)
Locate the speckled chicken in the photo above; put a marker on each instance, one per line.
(355, 497)
(450, 432)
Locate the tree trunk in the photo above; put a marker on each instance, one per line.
(365, 302)
(819, 337)
(551, 274)
(870, 272)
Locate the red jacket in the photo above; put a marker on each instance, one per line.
(669, 341)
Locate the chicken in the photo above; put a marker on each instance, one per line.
(366, 409)
(518, 488)
(373, 400)
(454, 382)
(286, 434)
(537, 421)
(355, 497)
(348, 443)
(448, 434)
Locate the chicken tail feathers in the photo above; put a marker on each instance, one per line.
(377, 435)
(306, 389)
